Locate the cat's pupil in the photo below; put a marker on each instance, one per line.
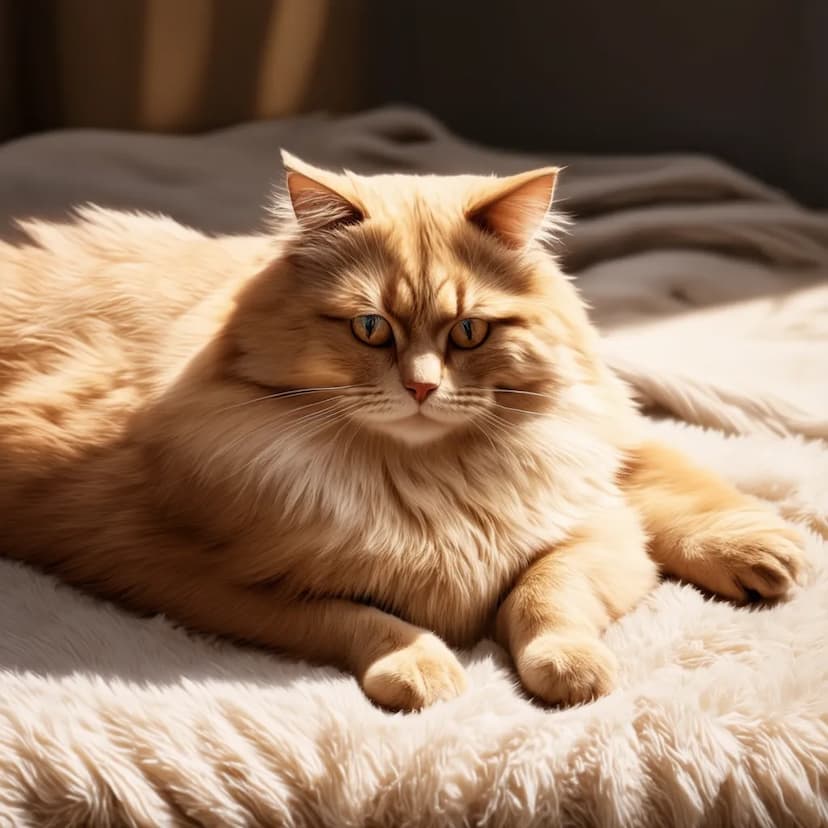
(370, 324)
(467, 328)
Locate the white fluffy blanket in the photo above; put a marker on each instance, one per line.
(713, 292)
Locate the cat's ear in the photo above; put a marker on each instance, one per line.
(514, 208)
(317, 196)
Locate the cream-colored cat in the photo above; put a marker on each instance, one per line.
(380, 433)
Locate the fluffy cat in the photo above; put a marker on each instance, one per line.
(379, 433)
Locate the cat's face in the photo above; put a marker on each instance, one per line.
(417, 306)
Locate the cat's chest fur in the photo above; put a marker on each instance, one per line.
(439, 542)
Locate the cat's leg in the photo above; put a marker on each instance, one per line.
(399, 666)
(552, 620)
(705, 531)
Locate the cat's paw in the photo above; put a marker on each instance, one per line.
(566, 668)
(415, 676)
(766, 559)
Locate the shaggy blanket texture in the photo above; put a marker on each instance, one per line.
(712, 291)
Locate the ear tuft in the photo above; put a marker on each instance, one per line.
(515, 211)
(316, 199)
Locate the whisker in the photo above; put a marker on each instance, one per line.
(312, 415)
(273, 422)
(524, 411)
(335, 435)
(315, 420)
(516, 391)
(295, 427)
(293, 393)
(557, 449)
(349, 441)
(497, 424)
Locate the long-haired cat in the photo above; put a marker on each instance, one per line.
(380, 432)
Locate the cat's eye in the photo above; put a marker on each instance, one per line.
(469, 333)
(372, 330)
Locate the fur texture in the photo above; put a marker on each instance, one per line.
(190, 426)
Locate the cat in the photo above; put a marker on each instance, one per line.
(380, 432)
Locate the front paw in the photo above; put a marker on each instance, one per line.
(764, 558)
(415, 676)
(566, 668)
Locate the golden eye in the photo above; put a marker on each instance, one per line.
(372, 330)
(469, 333)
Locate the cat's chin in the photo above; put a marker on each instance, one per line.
(416, 430)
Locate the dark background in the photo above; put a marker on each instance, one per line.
(745, 80)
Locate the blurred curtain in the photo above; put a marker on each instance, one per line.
(172, 65)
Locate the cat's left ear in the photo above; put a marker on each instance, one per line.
(514, 208)
(319, 198)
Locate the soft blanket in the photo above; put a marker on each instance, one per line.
(713, 295)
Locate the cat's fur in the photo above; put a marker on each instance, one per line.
(189, 426)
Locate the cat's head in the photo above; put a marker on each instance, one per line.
(415, 306)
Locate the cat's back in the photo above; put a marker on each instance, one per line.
(92, 313)
(108, 272)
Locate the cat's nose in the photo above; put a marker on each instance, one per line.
(420, 390)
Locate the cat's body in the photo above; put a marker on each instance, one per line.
(191, 426)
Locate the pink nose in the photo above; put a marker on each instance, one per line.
(420, 390)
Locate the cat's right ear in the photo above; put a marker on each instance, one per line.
(317, 198)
